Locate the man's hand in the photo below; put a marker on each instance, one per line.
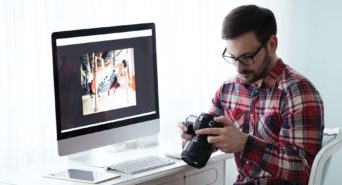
(228, 139)
(183, 129)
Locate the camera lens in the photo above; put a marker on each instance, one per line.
(196, 154)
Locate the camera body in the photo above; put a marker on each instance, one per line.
(196, 152)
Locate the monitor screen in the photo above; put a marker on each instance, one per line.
(106, 87)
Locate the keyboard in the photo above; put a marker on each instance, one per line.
(141, 164)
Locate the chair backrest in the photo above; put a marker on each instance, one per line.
(332, 141)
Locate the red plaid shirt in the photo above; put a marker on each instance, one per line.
(284, 119)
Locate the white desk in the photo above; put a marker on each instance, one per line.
(176, 174)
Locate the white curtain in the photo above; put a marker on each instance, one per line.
(188, 49)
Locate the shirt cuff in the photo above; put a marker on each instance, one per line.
(254, 150)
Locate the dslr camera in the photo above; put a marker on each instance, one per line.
(196, 152)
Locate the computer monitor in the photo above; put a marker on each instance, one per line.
(106, 87)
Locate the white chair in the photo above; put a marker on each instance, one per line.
(332, 141)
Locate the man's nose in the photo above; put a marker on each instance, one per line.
(239, 66)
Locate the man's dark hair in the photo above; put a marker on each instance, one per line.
(248, 18)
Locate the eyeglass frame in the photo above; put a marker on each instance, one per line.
(250, 57)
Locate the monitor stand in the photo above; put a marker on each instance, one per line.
(113, 154)
(99, 157)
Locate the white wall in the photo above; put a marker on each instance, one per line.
(316, 52)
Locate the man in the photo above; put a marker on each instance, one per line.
(273, 117)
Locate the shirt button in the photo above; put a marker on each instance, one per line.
(255, 92)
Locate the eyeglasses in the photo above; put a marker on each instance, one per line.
(243, 59)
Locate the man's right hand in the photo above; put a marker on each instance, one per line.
(185, 137)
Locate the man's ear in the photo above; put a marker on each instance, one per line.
(272, 44)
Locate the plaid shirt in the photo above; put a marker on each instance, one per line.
(284, 120)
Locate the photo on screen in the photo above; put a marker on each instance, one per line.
(107, 80)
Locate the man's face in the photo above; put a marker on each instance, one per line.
(246, 45)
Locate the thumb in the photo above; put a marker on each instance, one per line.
(223, 120)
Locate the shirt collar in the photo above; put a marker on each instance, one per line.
(274, 76)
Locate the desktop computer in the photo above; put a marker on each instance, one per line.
(106, 86)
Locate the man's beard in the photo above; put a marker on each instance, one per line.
(261, 73)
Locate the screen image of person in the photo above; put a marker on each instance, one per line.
(273, 117)
(109, 75)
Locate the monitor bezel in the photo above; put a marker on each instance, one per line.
(98, 31)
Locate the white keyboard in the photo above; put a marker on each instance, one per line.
(141, 164)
